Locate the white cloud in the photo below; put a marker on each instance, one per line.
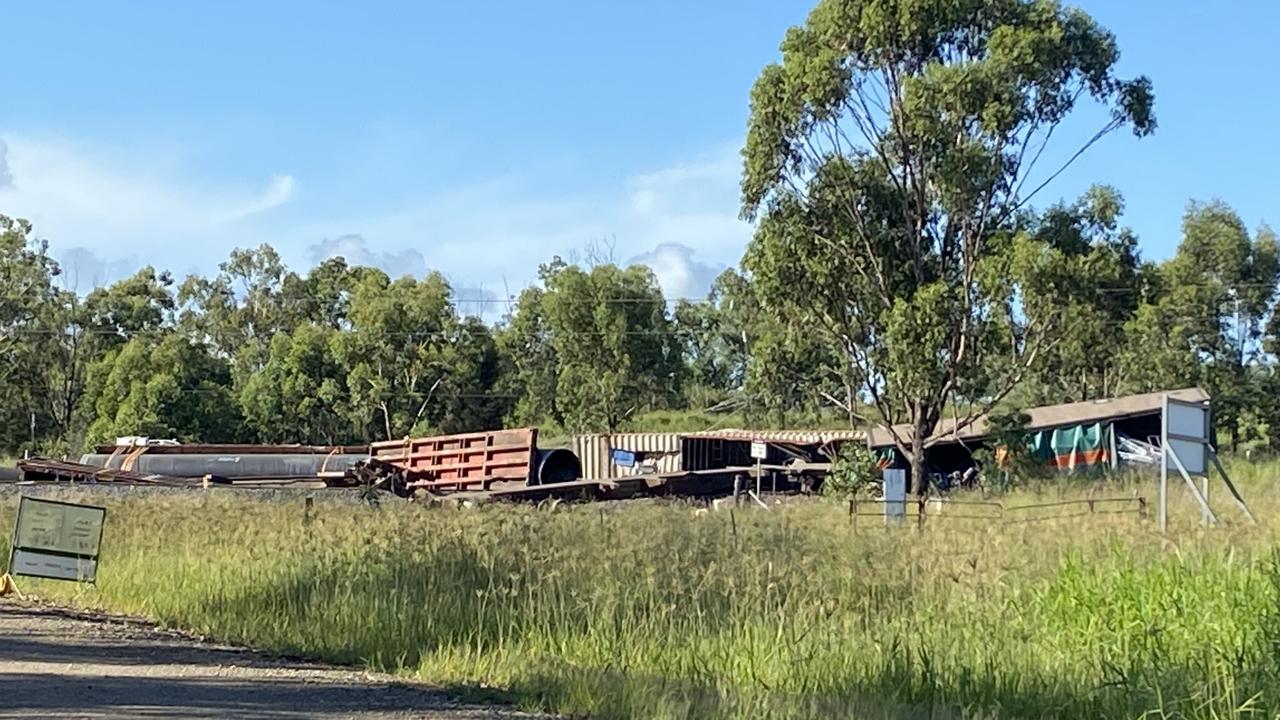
(278, 192)
(82, 270)
(354, 248)
(6, 177)
(694, 204)
(679, 273)
(478, 301)
(681, 219)
(125, 205)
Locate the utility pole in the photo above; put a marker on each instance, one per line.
(1239, 328)
(1235, 296)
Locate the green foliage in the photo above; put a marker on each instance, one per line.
(163, 387)
(530, 366)
(1012, 462)
(1212, 321)
(300, 395)
(240, 309)
(27, 331)
(744, 358)
(885, 160)
(855, 469)
(413, 365)
(603, 337)
(136, 305)
(1097, 285)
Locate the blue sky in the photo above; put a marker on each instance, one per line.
(480, 140)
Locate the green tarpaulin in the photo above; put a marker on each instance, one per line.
(1072, 448)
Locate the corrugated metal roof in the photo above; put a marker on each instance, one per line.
(1051, 416)
(793, 437)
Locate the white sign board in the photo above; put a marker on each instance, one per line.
(895, 495)
(1194, 456)
(1187, 436)
(56, 540)
(57, 567)
(1188, 420)
(759, 450)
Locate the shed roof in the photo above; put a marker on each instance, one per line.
(794, 437)
(1051, 416)
(1042, 418)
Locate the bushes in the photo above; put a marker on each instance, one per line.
(854, 470)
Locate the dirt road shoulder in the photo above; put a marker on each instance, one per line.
(70, 664)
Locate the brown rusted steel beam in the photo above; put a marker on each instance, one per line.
(45, 470)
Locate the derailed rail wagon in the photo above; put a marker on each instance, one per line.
(484, 461)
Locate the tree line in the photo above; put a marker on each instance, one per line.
(899, 272)
(345, 354)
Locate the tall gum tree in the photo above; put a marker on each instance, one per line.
(889, 156)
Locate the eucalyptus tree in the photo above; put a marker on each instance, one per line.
(889, 155)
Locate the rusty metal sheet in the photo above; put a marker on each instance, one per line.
(44, 470)
(230, 449)
(466, 460)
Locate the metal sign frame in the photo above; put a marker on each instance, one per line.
(1186, 446)
(15, 547)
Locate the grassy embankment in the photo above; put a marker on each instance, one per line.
(653, 611)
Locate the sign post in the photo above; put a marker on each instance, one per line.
(56, 540)
(759, 451)
(1185, 448)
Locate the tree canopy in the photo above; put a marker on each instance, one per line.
(889, 157)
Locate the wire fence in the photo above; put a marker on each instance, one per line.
(924, 509)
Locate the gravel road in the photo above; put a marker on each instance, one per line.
(69, 664)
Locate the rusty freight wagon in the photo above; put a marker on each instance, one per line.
(493, 460)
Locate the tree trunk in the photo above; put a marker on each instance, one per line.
(919, 478)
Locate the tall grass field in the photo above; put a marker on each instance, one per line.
(657, 610)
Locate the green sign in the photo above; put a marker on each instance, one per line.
(55, 539)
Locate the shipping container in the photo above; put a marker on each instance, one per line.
(627, 454)
(715, 449)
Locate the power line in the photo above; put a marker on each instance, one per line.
(304, 300)
(464, 333)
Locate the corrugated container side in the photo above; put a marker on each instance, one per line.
(658, 450)
(593, 453)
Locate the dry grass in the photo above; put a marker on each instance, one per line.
(655, 611)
